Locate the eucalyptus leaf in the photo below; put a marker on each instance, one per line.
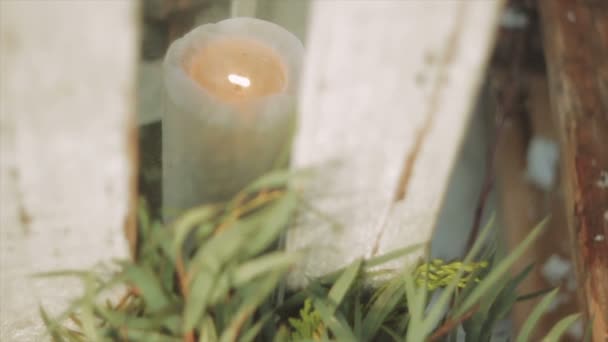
(272, 261)
(196, 305)
(270, 223)
(148, 284)
(207, 331)
(272, 180)
(254, 295)
(184, 225)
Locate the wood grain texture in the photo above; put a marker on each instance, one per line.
(576, 48)
(386, 96)
(67, 122)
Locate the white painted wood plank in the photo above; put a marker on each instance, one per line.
(66, 119)
(387, 92)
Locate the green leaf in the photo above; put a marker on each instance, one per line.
(119, 319)
(187, 222)
(534, 294)
(86, 310)
(149, 336)
(268, 224)
(439, 307)
(309, 325)
(200, 290)
(207, 332)
(503, 304)
(148, 284)
(52, 327)
(385, 300)
(417, 330)
(270, 262)
(282, 334)
(373, 262)
(221, 289)
(334, 321)
(143, 219)
(358, 319)
(393, 334)
(530, 323)
(560, 328)
(254, 294)
(250, 334)
(498, 272)
(392, 255)
(222, 248)
(272, 180)
(344, 283)
(497, 304)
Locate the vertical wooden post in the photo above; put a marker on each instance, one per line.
(576, 48)
(67, 139)
(386, 97)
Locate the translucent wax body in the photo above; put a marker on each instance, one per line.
(231, 93)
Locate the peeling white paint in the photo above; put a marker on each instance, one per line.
(602, 183)
(576, 330)
(556, 269)
(542, 161)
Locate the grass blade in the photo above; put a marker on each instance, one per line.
(253, 295)
(530, 323)
(52, 327)
(560, 328)
(344, 283)
(387, 298)
(498, 271)
(438, 309)
(249, 270)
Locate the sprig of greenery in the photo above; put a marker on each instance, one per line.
(309, 326)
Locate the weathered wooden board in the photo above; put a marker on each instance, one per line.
(576, 48)
(66, 133)
(387, 92)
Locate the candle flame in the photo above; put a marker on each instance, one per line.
(237, 70)
(239, 80)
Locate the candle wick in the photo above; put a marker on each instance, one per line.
(239, 80)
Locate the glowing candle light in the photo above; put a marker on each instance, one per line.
(231, 90)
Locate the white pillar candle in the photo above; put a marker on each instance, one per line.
(231, 89)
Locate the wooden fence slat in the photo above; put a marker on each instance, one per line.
(387, 92)
(576, 48)
(67, 137)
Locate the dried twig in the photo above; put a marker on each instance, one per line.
(449, 325)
